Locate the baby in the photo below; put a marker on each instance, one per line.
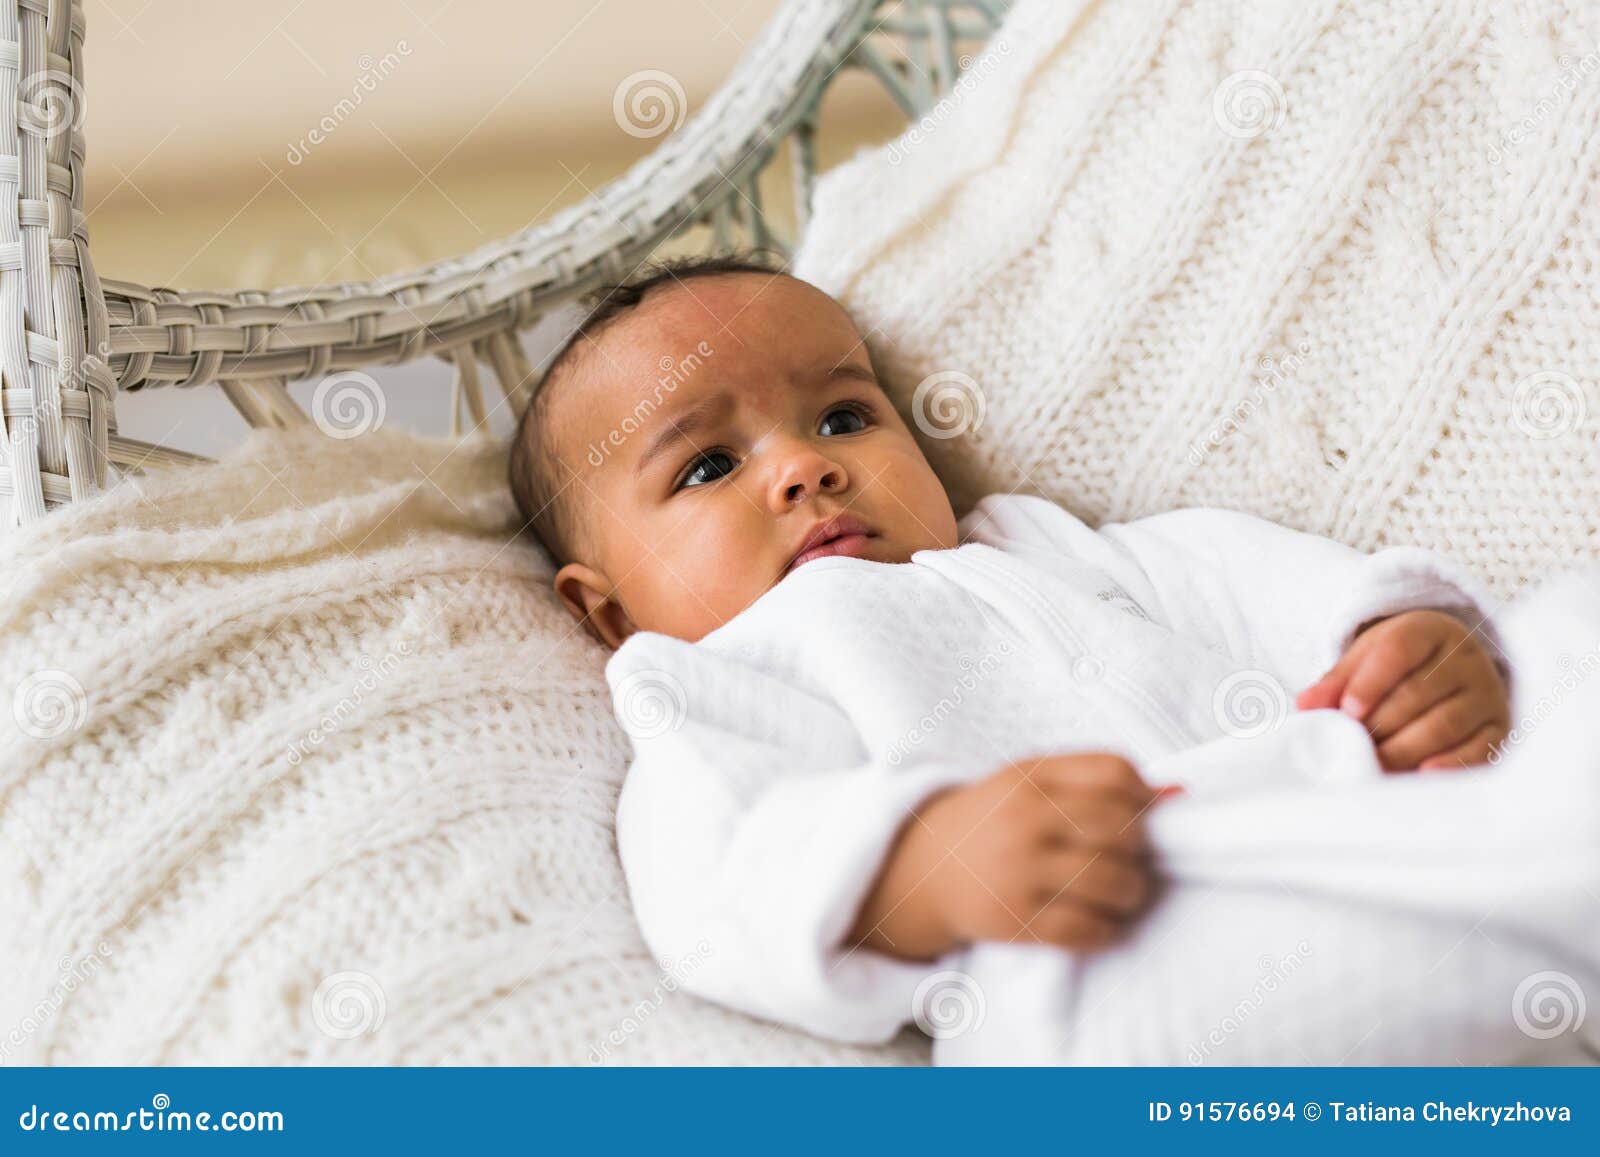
(889, 763)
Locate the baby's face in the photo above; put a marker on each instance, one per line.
(714, 433)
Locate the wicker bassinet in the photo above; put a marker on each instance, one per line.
(73, 341)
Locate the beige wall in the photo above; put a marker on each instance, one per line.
(476, 118)
(463, 120)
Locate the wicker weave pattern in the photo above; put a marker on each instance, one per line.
(72, 341)
(57, 388)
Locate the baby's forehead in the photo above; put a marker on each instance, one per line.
(753, 332)
(744, 316)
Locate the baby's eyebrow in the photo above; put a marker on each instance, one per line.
(851, 370)
(703, 412)
(700, 414)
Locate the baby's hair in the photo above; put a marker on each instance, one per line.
(547, 512)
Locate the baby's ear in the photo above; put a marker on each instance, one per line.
(584, 591)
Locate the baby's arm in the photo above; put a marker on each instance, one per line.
(751, 826)
(1400, 640)
(1048, 850)
(1292, 600)
(1277, 598)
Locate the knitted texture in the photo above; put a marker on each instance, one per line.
(1336, 264)
(305, 763)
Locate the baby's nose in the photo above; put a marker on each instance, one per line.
(806, 472)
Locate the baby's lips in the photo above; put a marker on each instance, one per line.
(1168, 791)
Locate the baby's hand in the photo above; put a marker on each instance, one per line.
(1426, 689)
(1046, 850)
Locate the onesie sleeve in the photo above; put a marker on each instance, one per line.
(1294, 600)
(751, 826)
(1265, 594)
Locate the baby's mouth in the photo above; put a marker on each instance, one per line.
(843, 534)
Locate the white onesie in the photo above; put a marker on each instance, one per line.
(1316, 910)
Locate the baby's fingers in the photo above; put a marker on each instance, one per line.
(1076, 927)
(1117, 886)
(1324, 692)
(1383, 660)
(1477, 749)
(1100, 822)
(1444, 726)
(1410, 700)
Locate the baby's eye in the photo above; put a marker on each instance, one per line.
(853, 420)
(707, 467)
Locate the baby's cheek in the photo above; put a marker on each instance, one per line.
(693, 585)
(920, 505)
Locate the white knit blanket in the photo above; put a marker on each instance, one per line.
(303, 763)
(1330, 262)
